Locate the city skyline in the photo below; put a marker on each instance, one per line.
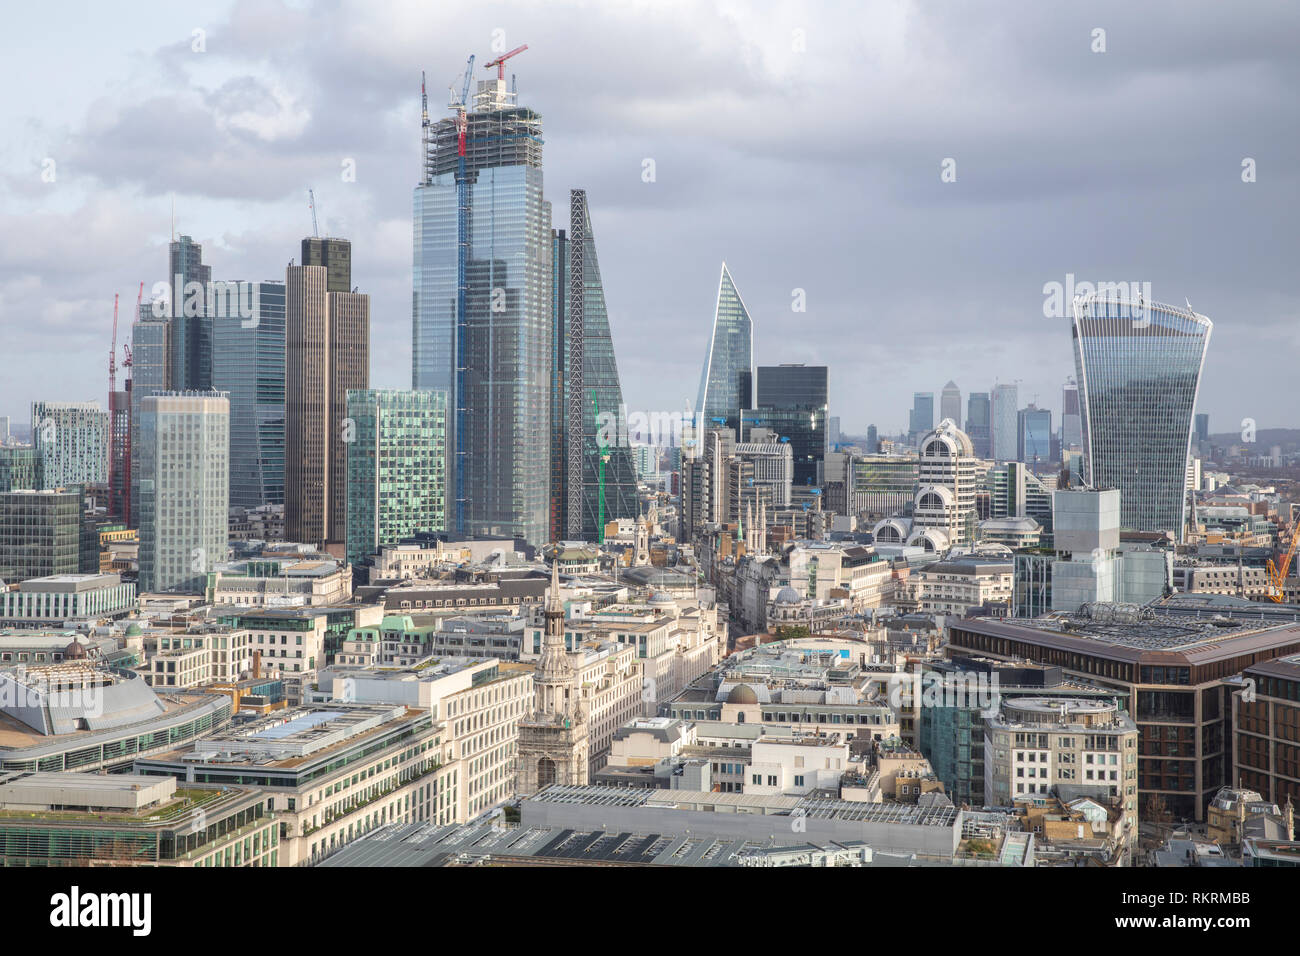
(276, 138)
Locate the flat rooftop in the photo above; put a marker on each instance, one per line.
(813, 808)
(1143, 631)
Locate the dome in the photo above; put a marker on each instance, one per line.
(742, 694)
(787, 595)
(946, 440)
(134, 630)
(74, 651)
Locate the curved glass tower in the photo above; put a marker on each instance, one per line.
(727, 382)
(1139, 368)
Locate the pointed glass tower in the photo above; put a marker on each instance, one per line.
(594, 480)
(726, 384)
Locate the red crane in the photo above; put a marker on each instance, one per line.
(500, 62)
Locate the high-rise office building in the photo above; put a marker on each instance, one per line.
(586, 455)
(1138, 366)
(72, 443)
(791, 403)
(1005, 417)
(1071, 418)
(150, 373)
(40, 533)
(727, 381)
(119, 454)
(184, 489)
(327, 353)
(19, 468)
(190, 340)
(921, 419)
(1202, 427)
(950, 403)
(873, 440)
(335, 255)
(943, 513)
(397, 468)
(248, 365)
(978, 428)
(482, 312)
(1034, 439)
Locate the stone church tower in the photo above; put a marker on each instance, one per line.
(553, 746)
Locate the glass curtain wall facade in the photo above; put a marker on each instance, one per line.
(1034, 439)
(191, 333)
(248, 364)
(1138, 366)
(727, 381)
(978, 409)
(1005, 416)
(602, 392)
(397, 479)
(502, 394)
(150, 365)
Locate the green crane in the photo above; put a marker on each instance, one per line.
(602, 452)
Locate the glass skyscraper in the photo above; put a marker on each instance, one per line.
(248, 364)
(397, 479)
(1034, 439)
(1138, 366)
(921, 418)
(950, 404)
(727, 381)
(1005, 409)
(791, 401)
(1071, 420)
(191, 326)
(978, 416)
(494, 361)
(580, 326)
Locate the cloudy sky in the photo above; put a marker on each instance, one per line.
(802, 143)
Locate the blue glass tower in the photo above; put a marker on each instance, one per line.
(487, 342)
(248, 364)
(1139, 368)
(727, 381)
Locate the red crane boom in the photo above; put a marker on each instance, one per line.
(500, 62)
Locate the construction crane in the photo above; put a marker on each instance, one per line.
(500, 62)
(462, 288)
(1277, 572)
(112, 353)
(311, 203)
(126, 346)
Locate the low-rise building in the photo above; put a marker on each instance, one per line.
(1035, 744)
(330, 773)
(66, 600)
(84, 819)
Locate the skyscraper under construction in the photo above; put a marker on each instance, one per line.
(482, 308)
